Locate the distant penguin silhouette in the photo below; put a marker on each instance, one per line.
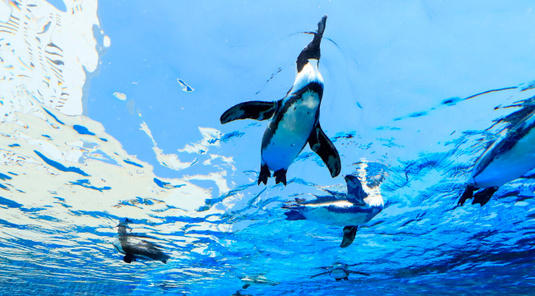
(238, 293)
(508, 158)
(295, 119)
(339, 271)
(257, 279)
(136, 246)
(357, 209)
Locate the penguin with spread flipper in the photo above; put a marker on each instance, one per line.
(136, 246)
(294, 119)
(510, 157)
(359, 208)
(340, 271)
(259, 279)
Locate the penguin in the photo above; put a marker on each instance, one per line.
(294, 119)
(508, 158)
(258, 279)
(357, 209)
(136, 246)
(339, 271)
(238, 293)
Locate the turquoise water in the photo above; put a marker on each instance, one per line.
(111, 112)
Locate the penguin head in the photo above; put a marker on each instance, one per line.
(312, 50)
(122, 226)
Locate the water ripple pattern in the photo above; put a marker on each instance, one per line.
(190, 187)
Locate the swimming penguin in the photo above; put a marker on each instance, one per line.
(508, 158)
(258, 279)
(238, 293)
(339, 271)
(357, 209)
(136, 246)
(295, 118)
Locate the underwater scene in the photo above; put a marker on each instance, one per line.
(321, 147)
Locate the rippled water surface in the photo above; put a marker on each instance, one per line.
(110, 113)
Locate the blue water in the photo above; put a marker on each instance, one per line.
(415, 91)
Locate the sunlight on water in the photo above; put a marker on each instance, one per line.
(158, 171)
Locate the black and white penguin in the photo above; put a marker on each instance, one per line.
(136, 246)
(359, 208)
(259, 279)
(508, 158)
(295, 118)
(339, 271)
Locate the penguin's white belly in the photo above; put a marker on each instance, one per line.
(339, 273)
(291, 133)
(344, 213)
(510, 165)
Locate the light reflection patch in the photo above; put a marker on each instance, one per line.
(120, 96)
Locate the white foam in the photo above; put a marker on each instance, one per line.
(120, 96)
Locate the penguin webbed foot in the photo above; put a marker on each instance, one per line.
(468, 193)
(264, 174)
(129, 258)
(483, 196)
(280, 176)
(349, 236)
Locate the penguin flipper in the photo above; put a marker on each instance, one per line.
(468, 193)
(349, 236)
(320, 143)
(257, 110)
(355, 193)
(294, 215)
(483, 196)
(327, 272)
(360, 272)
